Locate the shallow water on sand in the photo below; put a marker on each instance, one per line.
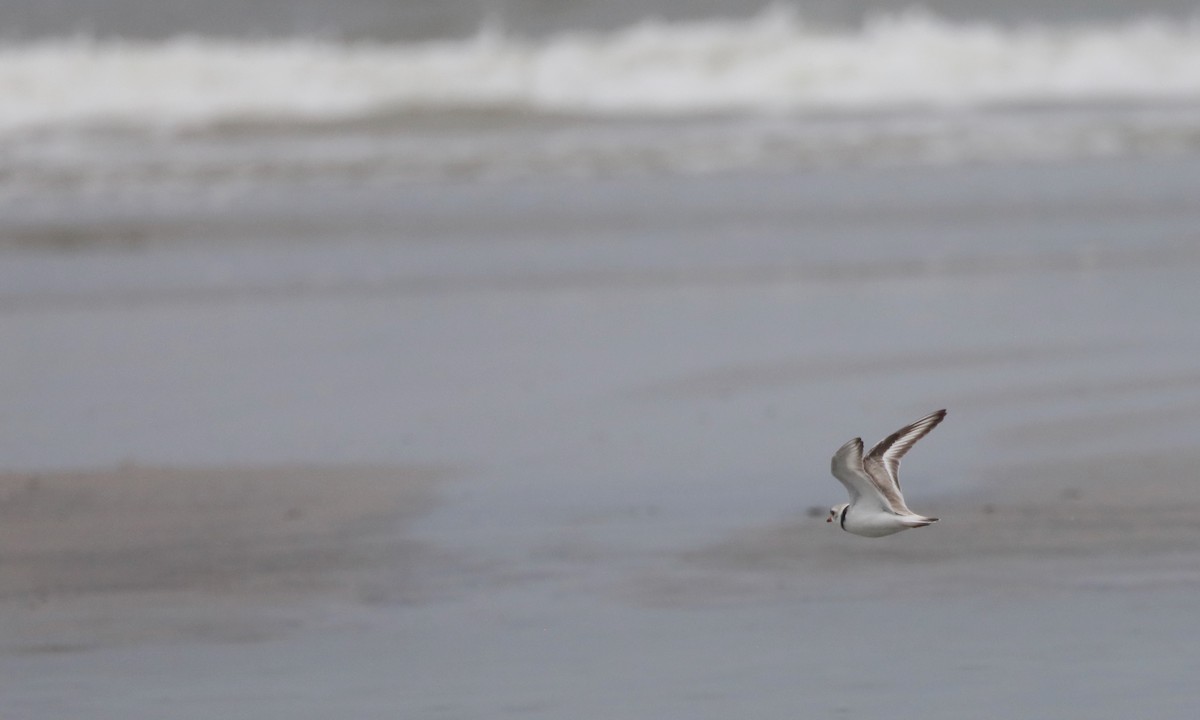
(629, 390)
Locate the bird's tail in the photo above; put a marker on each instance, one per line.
(916, 521)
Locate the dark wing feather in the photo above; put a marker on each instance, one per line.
(883, 462)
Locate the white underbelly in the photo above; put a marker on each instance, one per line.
(873, 524)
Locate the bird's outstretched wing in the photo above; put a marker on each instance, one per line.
(847, 467)
(882, 464)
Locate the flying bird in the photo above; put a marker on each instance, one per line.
(876, 506)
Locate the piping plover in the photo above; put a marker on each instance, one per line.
(876, 507)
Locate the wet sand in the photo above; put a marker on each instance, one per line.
(85, 555)
(226, 570)
(339, 533)
(135, 528)
(1106, 521)
(539, 472)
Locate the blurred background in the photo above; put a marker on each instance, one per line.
(480, 359)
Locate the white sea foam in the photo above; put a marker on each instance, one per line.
(770, 91)
(774, 62)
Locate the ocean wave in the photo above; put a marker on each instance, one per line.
(772, 63)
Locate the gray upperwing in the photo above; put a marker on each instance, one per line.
(882, 464)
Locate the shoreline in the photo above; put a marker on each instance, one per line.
(289, 533)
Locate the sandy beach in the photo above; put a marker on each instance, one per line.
(135, 529)
(1052, 580)
(344, 535)
(573, 462)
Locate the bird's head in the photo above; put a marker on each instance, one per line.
(836, 511)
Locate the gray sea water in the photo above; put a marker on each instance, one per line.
(203, 100)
